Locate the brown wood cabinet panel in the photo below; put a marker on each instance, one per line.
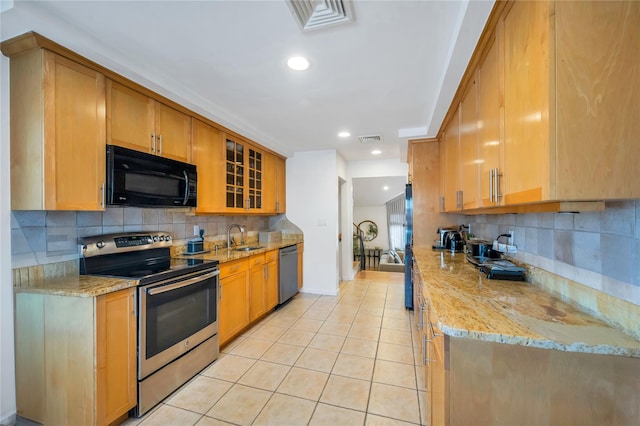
(233, 309)
(130, 118)
(257, 296)
(281, 184)
(598, 106)
(116, 356)
(57, 123)
(76, 360)
(274, 184)
(271, 282)
(300, 265)
(469, 147)
(425, 160)
(208, 156)
(451, 164)
(136, 121)
(527, 93)
(489, 120)
(173, 133)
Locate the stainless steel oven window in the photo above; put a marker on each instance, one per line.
(175, 316)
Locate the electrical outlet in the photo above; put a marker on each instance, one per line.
(510, 237)
(196, 229)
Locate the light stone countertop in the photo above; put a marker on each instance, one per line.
(225, 255)
(73, 284)
(469, 305)
(76, 285)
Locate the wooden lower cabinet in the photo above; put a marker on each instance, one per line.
(75, 357)
(271, 279)
(483, 383)
(257, 296)
(263, 284)
(233, 298)
(300, 265)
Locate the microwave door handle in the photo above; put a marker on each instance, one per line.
(186, 188)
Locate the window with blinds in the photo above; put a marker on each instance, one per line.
(395, 222)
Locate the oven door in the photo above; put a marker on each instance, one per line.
(175, 315)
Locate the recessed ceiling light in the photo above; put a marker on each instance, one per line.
(298, 63)
(385, 188)
(376, 152)
(344, 134)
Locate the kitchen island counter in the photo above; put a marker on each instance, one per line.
(467, 304)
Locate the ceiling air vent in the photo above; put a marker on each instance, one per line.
(370, 139)
(315, 14)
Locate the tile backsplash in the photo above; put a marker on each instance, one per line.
(43, 237)
(598, 249)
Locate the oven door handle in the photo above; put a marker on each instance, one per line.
(162, 289)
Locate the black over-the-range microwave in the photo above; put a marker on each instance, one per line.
(139, 179)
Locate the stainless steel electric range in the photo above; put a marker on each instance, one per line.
(177, 307)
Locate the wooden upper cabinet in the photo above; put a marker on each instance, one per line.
(232, 173)
(527, 94)
(139, 122)
(597, 99)
(57, 133)
(489, 124)
(274, 184)
(281, 185)
(469, 147)
(557, 107)
(208, 156)
(450, 164)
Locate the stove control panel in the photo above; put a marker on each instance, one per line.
(123, 242)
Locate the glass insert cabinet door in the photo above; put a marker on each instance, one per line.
(255, 179)
(235, 175)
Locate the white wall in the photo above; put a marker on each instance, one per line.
(377, 214)
(312, 204)
(7, 369)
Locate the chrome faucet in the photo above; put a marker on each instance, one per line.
(241, 228)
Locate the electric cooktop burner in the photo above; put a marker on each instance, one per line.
(143, 256)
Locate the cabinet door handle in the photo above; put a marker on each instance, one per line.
(496, 178)
(491, 185)
(425, 359)
(160, 144)
(102, 195)
(219, 291)
(153, 142)
(135, 306)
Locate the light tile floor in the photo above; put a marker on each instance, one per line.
(345, 360)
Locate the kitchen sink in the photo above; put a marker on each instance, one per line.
(247, 248)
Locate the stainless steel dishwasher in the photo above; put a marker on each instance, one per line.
(287, 273)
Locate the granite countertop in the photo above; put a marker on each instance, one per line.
(225, 255)
(73, 284)
(77, 285)
(469, 305)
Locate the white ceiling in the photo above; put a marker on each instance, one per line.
(393, 70)
(371, 192)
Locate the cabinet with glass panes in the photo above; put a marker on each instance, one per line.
(244, 169)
